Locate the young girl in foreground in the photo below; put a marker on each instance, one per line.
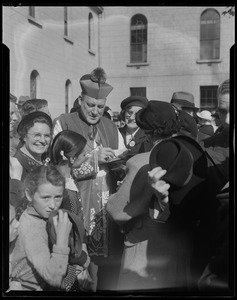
(32, 263)
(67, 153)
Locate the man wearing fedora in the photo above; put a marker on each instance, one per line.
(102, 138)
(185, 101)
(158, 234)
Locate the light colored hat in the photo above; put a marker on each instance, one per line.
(205, 114)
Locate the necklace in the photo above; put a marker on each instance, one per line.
(131, 141)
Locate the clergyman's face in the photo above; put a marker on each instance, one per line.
(92, 109)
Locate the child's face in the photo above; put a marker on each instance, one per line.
(46, 199)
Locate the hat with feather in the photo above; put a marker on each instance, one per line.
(94, 85)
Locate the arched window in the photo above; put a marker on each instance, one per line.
(34, 84)
(68, 94)
(138, 45)
(91, 32)
(210, 35)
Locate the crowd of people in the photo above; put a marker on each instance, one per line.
(142, 207)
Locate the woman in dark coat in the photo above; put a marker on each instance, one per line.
(158, 234)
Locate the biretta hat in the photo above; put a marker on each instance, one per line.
(184, 99)
(28, 119)
(205, 114)
(174, 157)
(134, 101)
(158, 116)
(94, 85)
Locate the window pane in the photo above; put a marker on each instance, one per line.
(208, 97)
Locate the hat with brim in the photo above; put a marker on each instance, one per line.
(28, 119)
(187, 203)
(134, 101)
(174, 157)
(94, 85)
(184, 99)
(205, 115)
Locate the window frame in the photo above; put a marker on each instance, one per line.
(68, 93)
(34, 84)
(138, 31)
(210, 35)
(138, 91)
(91, 34)
(208, 99)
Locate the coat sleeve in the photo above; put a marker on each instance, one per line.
(133, 196)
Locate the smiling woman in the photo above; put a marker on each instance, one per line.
(35, 132)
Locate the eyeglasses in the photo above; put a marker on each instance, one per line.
(38, 136)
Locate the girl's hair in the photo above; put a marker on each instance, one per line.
(70, 142)
(32, 105)
(29, 120)
(43, 174)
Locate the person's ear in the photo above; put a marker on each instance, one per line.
(79, 100)
(28, 195)
(24, 138)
